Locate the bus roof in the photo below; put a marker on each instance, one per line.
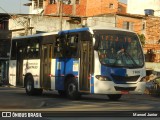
(74, 30)
(108, 28)
(35, 35)
(91, 29)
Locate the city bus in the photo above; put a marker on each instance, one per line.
(89, 60)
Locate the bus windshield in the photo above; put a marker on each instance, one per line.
(119, 49)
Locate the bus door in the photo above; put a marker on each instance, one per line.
(85, 66)
(46, 66)
(20, 56)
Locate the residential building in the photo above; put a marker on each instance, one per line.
(74, 7)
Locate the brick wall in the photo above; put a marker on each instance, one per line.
(95, 7)
(137, 23)
(153, 28)
(81, 8)
(152, 36)
(84, 8)
(122, 8)
(51, 9)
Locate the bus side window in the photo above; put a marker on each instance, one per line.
(33, 51)
(14, 50)
(72, 46)
(57, 49)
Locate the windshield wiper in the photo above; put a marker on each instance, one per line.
(120, 56)
(134, 63)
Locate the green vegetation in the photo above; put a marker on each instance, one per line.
(142, 39)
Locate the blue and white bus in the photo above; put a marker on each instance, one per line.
(97, 60)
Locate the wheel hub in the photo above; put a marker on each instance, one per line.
(29, 86)
(71, 88)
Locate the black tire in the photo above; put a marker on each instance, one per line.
(62, 93)
(29, 86)
(72, 89)
(114, 97)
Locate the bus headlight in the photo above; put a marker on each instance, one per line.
(103, 78)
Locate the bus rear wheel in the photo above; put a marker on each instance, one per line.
(72, 89)
(114, 97)
(29, 86)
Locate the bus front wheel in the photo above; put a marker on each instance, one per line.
(30, 90)
(114, 97)
(72, 89)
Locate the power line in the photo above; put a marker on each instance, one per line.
(20, 22)
(12, 16)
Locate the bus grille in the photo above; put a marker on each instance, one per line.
(124, 79)
(125, 88)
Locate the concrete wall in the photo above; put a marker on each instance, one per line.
(153, 66)
(108, 21)
(52, 24)
(39, 23)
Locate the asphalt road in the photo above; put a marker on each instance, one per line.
(15, 99)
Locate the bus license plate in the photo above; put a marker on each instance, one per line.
(124, 92)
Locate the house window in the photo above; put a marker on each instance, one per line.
(4, 25)
(128, 25)
(111, 6)
(53, 1)
(119, 9)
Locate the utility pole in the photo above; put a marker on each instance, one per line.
(61, 13)
(27, 24)
(74, 8)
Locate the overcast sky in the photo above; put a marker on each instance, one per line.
(123, 1)
(16, 6)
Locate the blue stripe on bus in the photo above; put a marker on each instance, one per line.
(58, 75)
(108, 71)
(92, 84)
(73, 31)
(64, 66)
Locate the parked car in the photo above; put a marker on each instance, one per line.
(153, 87)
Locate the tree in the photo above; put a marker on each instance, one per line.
(142, 39)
